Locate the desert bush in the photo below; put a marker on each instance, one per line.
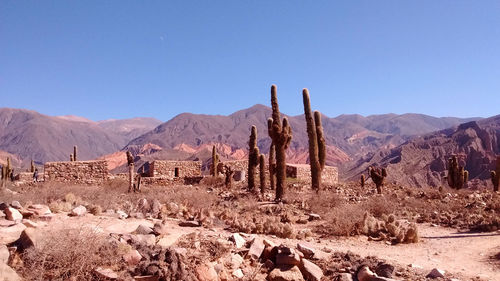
(71, 254)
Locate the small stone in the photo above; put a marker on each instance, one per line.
(238, 273)
(121, 214)
(207, 272)
(29, 223)
(238, 240)
(39, 209)
(106, 273)
(190, 223)
(132, 258)
(314, 217)
(160, 229)
(345, 277)
(79, 211)
(143, 229)
(307, 250)
(384, 270)
(256, 249)
(292, 258)
(269, 243)
(311, 271)
(2, 214)
(285, 274)
(436, 273)
(234, 261)
(16, 205)
(13, 214)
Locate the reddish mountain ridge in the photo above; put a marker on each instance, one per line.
(422, 161)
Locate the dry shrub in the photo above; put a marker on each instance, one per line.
(213, 181)
(342, 220)
(71, 254)
(379, 206)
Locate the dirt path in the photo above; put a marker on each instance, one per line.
(463, 254)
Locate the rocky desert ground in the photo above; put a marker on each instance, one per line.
(51, 231)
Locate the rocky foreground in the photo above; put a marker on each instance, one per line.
(156, 240)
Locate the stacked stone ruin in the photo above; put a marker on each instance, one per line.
(302, 172)
(77, 172)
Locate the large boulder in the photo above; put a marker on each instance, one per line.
(30, 237)
(4, 254)
(8, 274)
(79, 211)
(39, 209)
(310, 271)
(11, 233)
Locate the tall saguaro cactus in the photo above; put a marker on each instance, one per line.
(272, 165)
(281, 135)
(32, 167)
(215, 162)
(378, 176)
(262, 173)
(495, 175)
(317, 147)
(457, 176)
(253, 158)
(74, 153)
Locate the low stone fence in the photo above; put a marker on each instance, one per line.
(77, 172)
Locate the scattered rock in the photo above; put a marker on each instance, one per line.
(207, 272)
(40, 209)
(311, 271)
(345, 277)
(4, 254)
(189, 223)
(287, 257)
(79, 211)
(160, 229)
(384, 270)
(238, 273)
(2, 214)
(132, 258)
(148, 239)
(30, 237)
(436, 273)
(234, 261)
(143, 229)
(285, 274)
(314, 217)
(238, 240)
(121, 214)
(16, 205)
(13, 214)
(29, 223)
(256, 248)
(8, 274)
(168, 240)
(106, 273)
(11, 233)
(146, 278)
(307, 250)
(155, 207)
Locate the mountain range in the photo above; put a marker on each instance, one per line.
(351, 139)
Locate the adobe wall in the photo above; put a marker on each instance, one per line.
(77, 172)
(168, 169)
(329, 175)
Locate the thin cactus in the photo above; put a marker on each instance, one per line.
(229, 176)
(363, 180)
(253, 158)
(215, 162)
(71, 157)
(281, 135)
(457, 176)
(495, 175)
(317, 147)
(272, 166)
(32, 168)
(262, 171)
(75, 148)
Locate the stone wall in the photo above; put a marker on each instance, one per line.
(330, 174)
(174, 169)
(77, 172)
(240, 168)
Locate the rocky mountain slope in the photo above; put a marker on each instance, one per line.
(347, 136)
(423, 160)
(130, 128)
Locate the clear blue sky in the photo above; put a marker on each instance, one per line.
(119, 59)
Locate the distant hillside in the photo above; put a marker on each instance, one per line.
(31, 135)
(423, 161)
(348, 136)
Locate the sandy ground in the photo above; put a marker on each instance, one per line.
(464, 254)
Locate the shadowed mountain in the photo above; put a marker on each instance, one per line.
(422, 161)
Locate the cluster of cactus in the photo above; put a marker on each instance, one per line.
(495, 175)
(253, 158)
(457, 176)
(378, 176)
(262, 172)
(281, 135)
(272, 167)
(317, 147)
(215, 162)
(389, 229)
(72, 157)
